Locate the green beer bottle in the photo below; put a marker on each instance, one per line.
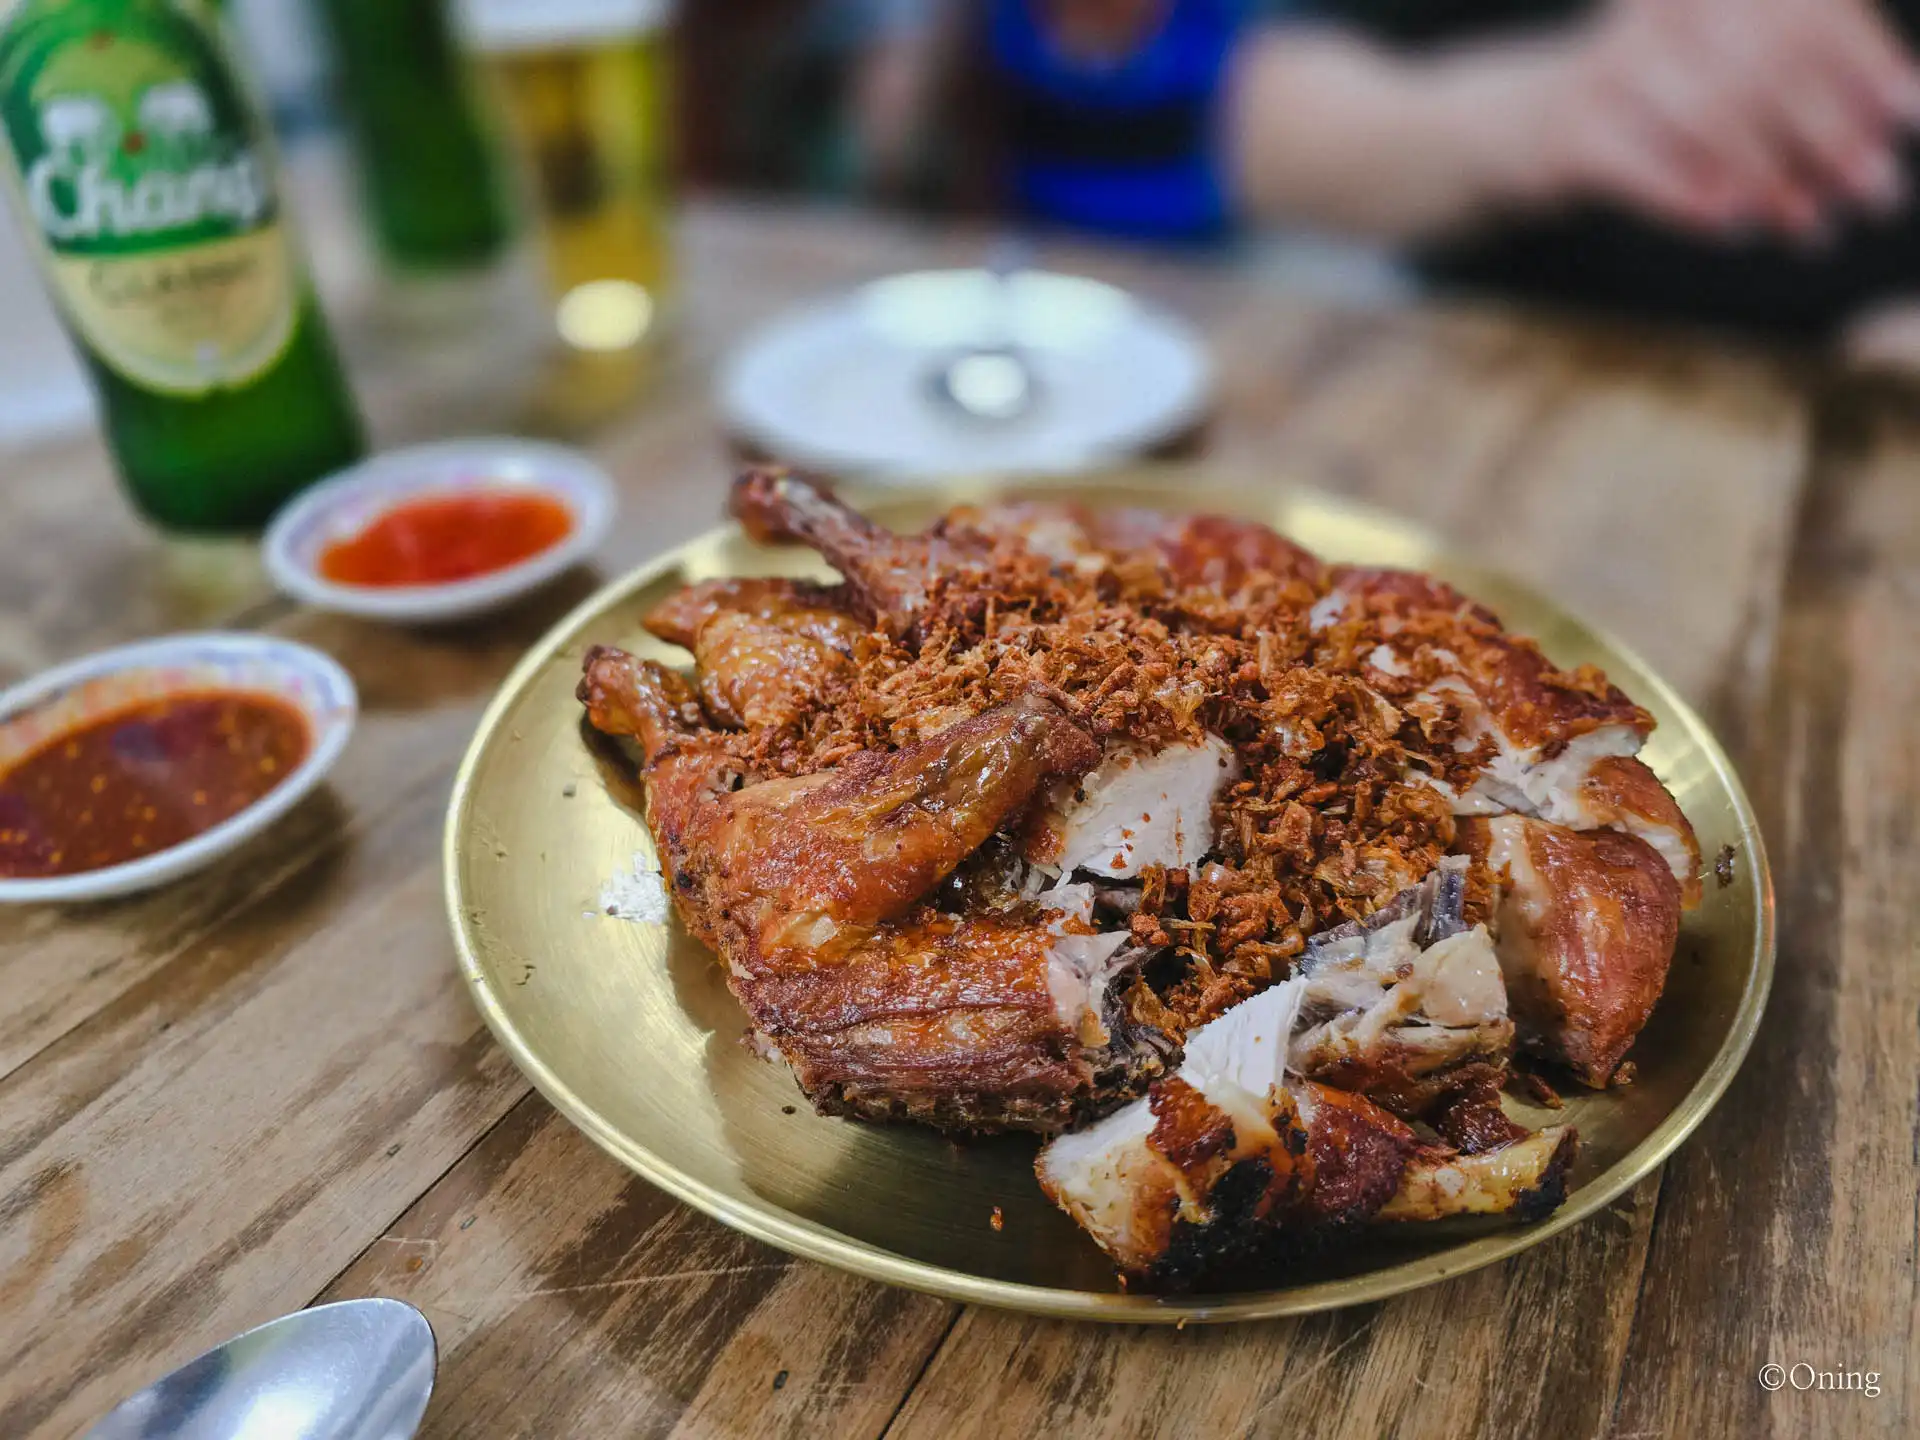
(145, 176)
(431, 179)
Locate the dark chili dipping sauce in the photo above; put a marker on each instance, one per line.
(143, 779)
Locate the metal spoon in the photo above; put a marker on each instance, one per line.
(993, 382)
(358, 1370)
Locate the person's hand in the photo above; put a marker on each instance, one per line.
(1720, 115)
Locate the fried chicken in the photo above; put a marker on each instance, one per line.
(1507, 731)
(1230, 1165)
(1246, 872)
(767, 651)
(1586, 928)
(891, 576)
(810, 889)
(1199, 552)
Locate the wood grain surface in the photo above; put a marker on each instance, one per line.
(265, 1086)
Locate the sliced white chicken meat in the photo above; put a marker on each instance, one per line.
(1137, 808)
(1398, 1006)
(1231, 1162)
(1127, 1179)
(1084, 964)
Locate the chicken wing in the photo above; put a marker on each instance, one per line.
(788, 864)
(810, 889)
(891, 576)
(768, 650)
(1585, 932)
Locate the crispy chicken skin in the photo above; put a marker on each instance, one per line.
(810, 890)
(1215, 552)
(1585, 931)
(1470, 1118)
(800, 865)
(954, 1021)
(768, 650)
(889, 576)
(823, 611)
(1531, 704)
(1621, 793)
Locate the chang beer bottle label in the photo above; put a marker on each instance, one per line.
(145, 174)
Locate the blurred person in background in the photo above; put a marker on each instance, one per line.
(1733, 162)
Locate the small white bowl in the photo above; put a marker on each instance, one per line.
(846, 385)
(345, 504)
(57, 700)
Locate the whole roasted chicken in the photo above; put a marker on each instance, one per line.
(1239, 876)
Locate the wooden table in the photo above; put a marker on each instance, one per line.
(266, 1086)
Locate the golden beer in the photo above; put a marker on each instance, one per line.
(584, 88)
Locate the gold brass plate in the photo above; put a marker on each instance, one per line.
(628, 1028)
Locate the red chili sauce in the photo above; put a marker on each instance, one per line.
(441, 538)
(143, 779)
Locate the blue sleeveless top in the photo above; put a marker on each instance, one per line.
(1129, 146)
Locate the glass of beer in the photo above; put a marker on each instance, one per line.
(584, 89)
